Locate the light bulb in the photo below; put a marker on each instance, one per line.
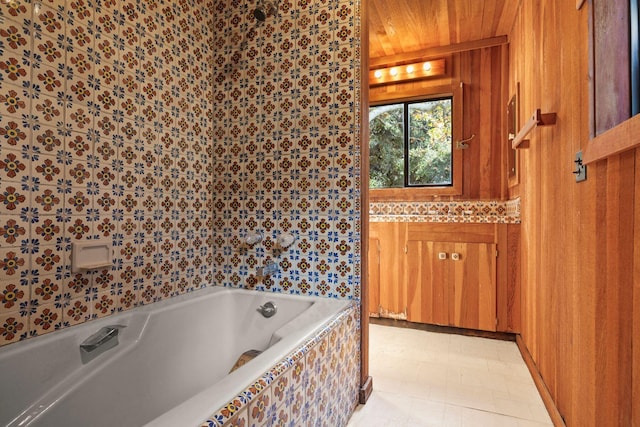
(377, 74)
(393, 72)
(427, 66)
(410, 69)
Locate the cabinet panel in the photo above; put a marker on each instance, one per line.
(474, 286)
(391, 269)
(409, 281)
(427, 282)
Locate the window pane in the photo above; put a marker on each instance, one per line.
(386, 146)
(430, 143)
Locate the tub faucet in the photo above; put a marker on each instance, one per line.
(99, 342)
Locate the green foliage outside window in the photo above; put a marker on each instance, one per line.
(425, 136)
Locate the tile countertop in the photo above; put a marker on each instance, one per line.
(470, 211)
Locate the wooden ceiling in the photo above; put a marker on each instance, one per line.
(404, 26)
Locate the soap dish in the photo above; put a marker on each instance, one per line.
(91, 255)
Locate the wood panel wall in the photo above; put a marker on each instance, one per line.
(579, 244)
(482, 73)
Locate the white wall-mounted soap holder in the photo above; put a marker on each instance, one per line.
(91, 255)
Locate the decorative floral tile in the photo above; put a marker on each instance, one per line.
(464, 211)
(77, 311)
(13, 102)
(82, 37)
(14, 326)
(15, 10)
(104, 304)
(47, 318)
(52, 22)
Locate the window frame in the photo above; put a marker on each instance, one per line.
(412, 193)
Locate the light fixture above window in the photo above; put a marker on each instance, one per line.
(413, 71)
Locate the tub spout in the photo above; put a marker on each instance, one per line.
(99, 342)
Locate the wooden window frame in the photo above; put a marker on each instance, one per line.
(454, 91)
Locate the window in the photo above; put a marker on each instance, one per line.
(411, 144)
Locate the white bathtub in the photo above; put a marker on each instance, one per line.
(170, 367)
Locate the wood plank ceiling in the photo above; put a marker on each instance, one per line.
(404, 26)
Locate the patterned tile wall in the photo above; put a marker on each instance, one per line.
(482, 211)
(316, 385)
(105, 133)
(286, 126)
(172, 129)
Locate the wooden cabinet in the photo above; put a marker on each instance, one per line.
(452, 284)
(444, 274)
(386, 269)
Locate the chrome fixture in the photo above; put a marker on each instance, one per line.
(99, 342)
(265, 10)
(268, 309)
(268, 270)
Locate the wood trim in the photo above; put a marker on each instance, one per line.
(411, 95)
(616, 140)
(364, 199)
(579, 4)
(406, 324)
(409, 194)
(556, 418)
(635, 331)
(365, 391)
(436, 51)
(452, 232)
(536, 119)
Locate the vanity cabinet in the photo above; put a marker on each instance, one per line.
(452, 284)
(454, 274)
(387, 270)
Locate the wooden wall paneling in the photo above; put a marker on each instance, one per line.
(579, 315)
(498, 105)
(508, 189)
(471, 170)
(614, 304)
(635, 344)
(483, 112)
(554, 168)
(483, 108)
(403, 26)
(581, 405)
(508, 298)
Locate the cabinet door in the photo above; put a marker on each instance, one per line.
(391, 268)
(428, 282)
(473, 286)
(374, 277)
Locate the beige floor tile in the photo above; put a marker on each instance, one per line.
(424, 379)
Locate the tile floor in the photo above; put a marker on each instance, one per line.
(425, 378)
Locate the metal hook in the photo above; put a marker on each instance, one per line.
(462, 144)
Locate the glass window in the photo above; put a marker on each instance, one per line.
(410, 144)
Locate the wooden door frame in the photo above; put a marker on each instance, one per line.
(366, 383)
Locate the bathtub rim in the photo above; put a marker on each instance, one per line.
(263, 371)
(267, 373)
